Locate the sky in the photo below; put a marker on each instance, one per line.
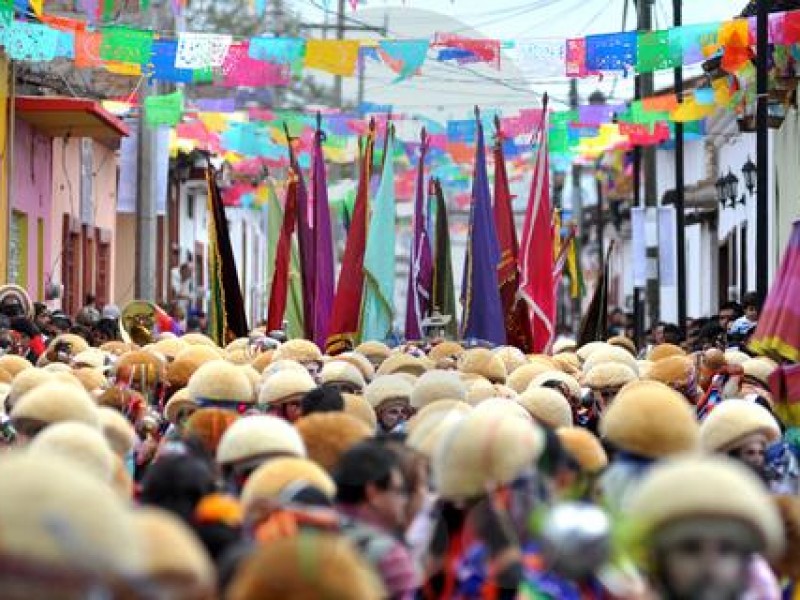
(447, 91)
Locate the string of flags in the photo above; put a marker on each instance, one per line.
(219, 58)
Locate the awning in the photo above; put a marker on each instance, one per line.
(74, 117)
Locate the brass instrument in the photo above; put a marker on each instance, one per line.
(137, 322)
(16, 299)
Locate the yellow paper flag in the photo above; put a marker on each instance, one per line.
(215, 122)
(691, 110)
(120, 68)
(338, 57)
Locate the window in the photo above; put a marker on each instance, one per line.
(40, 258)
(18, 249)
(103, 266)
(190, 206)
(71, 265)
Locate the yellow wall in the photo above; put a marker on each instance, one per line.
(5, 107)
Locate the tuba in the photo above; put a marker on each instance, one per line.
(15, 301)
(137, 322)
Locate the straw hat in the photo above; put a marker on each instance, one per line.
(563, 378)
(584, 447)
(483, 449)
(437, 385)
(78, 442)
(54, 402)
(75, 342)
(24, 382)
(445, 349)
(14, 364)
(208, 425)
(360, 362)
(117, 348)
(511, 356)
(732, 421)
(170, 348)
(401, 362)
(710, 486)
(106, 541)
(432, 426)
(564, 344)
(262, 360)
(649, 419)
(547, 406)
(118, 431)
(624, 342)
(388, 387)
(480, 390)
(174, 556)
(93, 358)
(329, 435)
(375, 351)
(759, 369)
(270, 479)
(609, 375)
(436, 411)
(610, 354)
(91, 379)
(220, 381)
(198, 339)
(178, 401)
(665, 351)
(673, 370)
(568, 362)
(187, 361)
(522, 377)
(502, 406)
(357, 406)
(299, 350)
(258, 436)
(282, 365)
(585, 351)
(342, 373)
(285, 386)
(139, 367)
(311, 566)
(483, 362)
(736, 357)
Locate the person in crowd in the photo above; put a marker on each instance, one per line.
(728, 313)
(89, 314)
(372, 496)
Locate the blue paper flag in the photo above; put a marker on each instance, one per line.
(278, 50)
(411, 53)
(611, 51)
(163, 63)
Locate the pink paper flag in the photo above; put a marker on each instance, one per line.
(241, 70)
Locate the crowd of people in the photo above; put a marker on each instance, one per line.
(264, 469)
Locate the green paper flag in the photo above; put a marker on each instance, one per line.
(164, 110)
(126, 45)
(657, 50)
(205, 75)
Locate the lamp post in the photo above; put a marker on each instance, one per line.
(762, 149)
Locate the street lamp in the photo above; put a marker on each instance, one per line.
(731, 187)
(722, 195)
(750, 171)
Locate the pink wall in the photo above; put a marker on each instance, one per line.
(31, 192)
(67, 190)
